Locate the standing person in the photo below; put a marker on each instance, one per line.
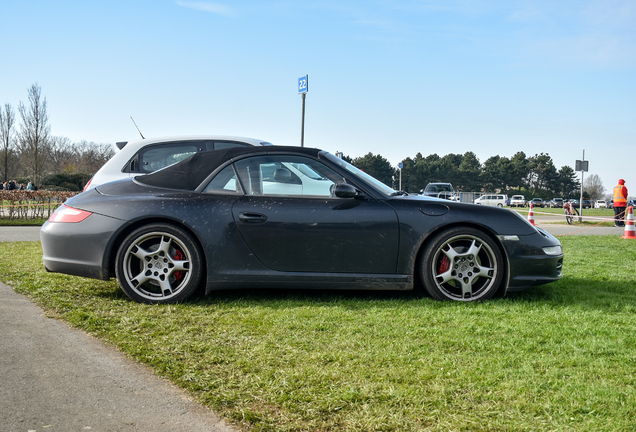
(620, 203)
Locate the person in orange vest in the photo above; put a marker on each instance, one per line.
(620, 203)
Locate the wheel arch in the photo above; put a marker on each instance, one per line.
(119, 237)
(427, 239)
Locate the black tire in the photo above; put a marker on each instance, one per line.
(462, 264)
(159, 263)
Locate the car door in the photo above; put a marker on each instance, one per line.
(291, 223)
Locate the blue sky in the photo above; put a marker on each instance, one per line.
(390, 77)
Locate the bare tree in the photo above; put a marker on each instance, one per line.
(34, 138)
(91, 156)
(62, 155)
(594, 187)
(7, 126)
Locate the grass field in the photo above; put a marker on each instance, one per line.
(561, 357)
(22, 222)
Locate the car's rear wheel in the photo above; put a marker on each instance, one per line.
(159, 263)
(462, 264)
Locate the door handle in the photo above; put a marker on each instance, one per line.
(252, 218)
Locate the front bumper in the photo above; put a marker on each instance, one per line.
(529, 264)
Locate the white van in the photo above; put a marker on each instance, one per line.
(497, 200)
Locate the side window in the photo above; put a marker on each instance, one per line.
(224, 182)
(219, 145)
(287, 176)
(157, 157)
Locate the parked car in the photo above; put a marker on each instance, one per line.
(537, 202)
(517, 201)
(556, 203)
(289, 217)
(149, 155)
(440, 190)
(495, 200)
(586, 203)
(599, 204)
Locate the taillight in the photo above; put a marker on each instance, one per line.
(87, 184)
(69, 215)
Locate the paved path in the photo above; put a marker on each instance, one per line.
(54, 378)
(564, 229)
(18, 233)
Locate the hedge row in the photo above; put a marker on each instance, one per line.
(23, 204)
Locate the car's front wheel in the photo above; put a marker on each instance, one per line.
(462, 264)
(159, 263)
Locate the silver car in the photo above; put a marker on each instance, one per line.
(149, 155)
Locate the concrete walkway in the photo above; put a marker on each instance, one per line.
(54, 378)
(19, 233)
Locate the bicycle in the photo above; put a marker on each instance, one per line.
(570, 211)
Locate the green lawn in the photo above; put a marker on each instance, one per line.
(561, 357)
(22, 222)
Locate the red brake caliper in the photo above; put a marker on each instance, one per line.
(444, 265)
(178, 275)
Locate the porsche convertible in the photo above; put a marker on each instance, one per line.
(289, 217)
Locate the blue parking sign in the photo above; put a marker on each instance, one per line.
(303, 84)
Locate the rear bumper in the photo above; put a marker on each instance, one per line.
(79, 249)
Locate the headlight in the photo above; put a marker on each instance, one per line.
(553, 250)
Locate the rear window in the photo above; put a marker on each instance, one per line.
(162, 156)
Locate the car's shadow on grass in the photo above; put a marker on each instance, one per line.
(609, 295)
(568, 292)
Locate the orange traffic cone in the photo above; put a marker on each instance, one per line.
(630, 232)
(531, 215)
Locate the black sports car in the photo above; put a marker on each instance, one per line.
(289, 217)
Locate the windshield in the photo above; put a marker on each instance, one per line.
(366, 178)
(438, 187)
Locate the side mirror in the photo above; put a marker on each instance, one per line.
(343, 190)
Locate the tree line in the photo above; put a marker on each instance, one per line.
(28, 151)
(535, 175)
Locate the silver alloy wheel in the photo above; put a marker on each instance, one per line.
(463, 266)
(157, 265)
